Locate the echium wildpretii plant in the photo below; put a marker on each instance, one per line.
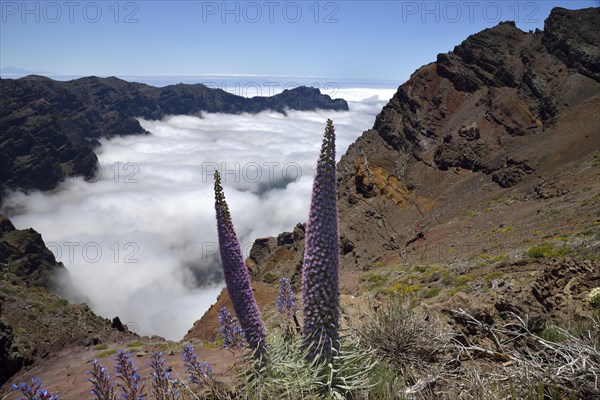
(130, 383)
(231, 332)
(285, 299)
(35, 391)
(321, 257)
(100, 379)
(199, 373)
(163, 384)
(237, 278)
(286, 304)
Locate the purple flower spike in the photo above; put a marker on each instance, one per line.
(35, 391)
(103, 389)
(286, 304)
(163, 384)
(199, 373)
(232, 333)
(237, 278)
(321, 256)
(130, 382)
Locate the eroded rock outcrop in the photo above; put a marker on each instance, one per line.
(34, 321)
(501, 111)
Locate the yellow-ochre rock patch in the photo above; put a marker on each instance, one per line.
(378, 181)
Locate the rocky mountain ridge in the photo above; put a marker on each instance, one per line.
(477, 189)
(49, 128)
(489, 150)
(506, 114)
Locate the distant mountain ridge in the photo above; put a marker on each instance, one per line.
(50, 127)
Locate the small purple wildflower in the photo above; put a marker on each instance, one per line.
(232, 333)
(320, 279)
(103, 389)
(35, 391)
(199, 373)
(131, 384)
(162, 381)
(237, 277)
(286, 304)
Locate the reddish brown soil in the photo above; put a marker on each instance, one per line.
(65, 372)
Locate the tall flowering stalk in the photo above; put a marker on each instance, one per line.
(103, 388)
(131, 384)
(199, 373)
(237, 278)
(286, 304)
(232, 333)
(162, 382)
(321, 257)
(35, 391)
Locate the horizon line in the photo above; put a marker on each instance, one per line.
(202, 75)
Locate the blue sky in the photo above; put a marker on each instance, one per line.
(370, 40)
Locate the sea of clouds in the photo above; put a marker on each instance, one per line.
(140, 241)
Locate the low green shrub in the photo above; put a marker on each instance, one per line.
(547, 250)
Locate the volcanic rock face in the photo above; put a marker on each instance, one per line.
(49, 128)
(496, 116)
(24, 254)
(570, 37)
(35, 322)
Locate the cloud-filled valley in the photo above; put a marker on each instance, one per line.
(140, 241)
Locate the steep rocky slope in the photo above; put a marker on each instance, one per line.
(492, 135)
(24, 254)
(490, 151)
(49, 128)
(476, 195)
(35, 323)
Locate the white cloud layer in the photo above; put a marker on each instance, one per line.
(140, 242)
